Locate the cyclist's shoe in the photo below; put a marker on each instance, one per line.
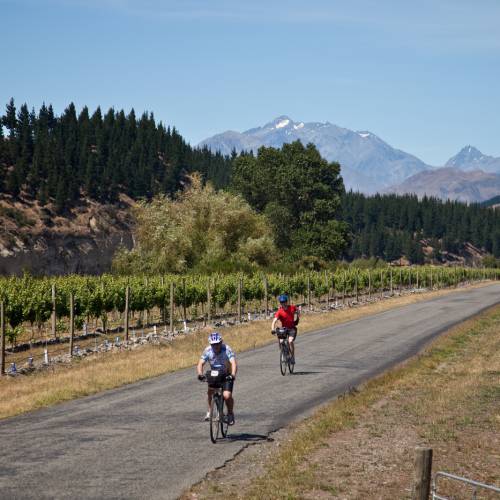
(292, 360)
(207, 417)
(230, 418)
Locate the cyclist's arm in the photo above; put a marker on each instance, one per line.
(273, 326)
(297, 316)
(199, 367)
(234, 366)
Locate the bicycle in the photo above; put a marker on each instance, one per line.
(285, 354)
(219, 421)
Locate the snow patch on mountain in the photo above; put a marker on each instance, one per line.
(282, 123)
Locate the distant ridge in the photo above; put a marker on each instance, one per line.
(451, 183)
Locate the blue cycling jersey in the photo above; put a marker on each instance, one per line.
(218, 361)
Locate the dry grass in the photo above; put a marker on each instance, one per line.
(361, 446)
(106, 371)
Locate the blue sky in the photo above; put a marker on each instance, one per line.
(424, 76)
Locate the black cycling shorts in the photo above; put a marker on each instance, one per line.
(293, 333)
(227, 385)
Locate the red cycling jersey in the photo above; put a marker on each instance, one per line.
(286, 316)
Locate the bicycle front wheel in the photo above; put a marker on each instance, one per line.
(223, 416)
(215, 418)
(283, 358)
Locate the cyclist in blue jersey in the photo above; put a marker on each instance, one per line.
(220, 357)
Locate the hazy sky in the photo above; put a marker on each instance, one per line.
(424, 76)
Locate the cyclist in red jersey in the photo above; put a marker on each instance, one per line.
(288, 315)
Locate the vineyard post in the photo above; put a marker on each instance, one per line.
(163, 307)
(392, 287)
(172, 307)
(327, 281)
(209, 302)
(266, 298)
(54, 310)
(146, 283)
(343, 289)
(2, 334)
(127, 302)
(381, 284)
(309, 292)
(400, 279)
(484, 273)
(417, 279)
(431, 279)
(369, 285)
(239, 300)
(356, 285)
(71, 322)
(184, 298)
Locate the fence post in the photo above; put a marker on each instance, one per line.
(172, 307)
(2, 340)
(54, 332)
(369, 285)
(431, 280)
(356, 285)
(423, 473)
(381, 283)
(417, 279)
(392, 288)
(71, 322)
(400, 279)
(266, 298)
(127, 303)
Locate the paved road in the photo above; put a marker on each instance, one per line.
(146, 440)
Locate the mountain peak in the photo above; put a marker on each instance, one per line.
(466, 156)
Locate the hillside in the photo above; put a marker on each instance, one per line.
(83, 240)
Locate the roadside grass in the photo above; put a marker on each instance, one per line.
(109, 370)
(362, 444)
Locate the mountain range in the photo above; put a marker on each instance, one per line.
(369, 164)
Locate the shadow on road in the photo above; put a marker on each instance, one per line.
(248, 437)
(305, 373)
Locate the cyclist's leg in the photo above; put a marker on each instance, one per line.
(210, 393)
(228, 398)
(291, 342)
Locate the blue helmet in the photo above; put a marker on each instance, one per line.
(283, 298)
(215, 338)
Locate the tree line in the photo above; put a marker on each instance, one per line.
(390, 226)
(60, 159)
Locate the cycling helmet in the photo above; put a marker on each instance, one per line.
(215, 338)
(283, 298)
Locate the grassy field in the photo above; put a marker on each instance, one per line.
(362, 445)
(109, 370)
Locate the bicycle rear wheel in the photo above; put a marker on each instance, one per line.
(283, 358)
(214, 418)
(223, 416)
